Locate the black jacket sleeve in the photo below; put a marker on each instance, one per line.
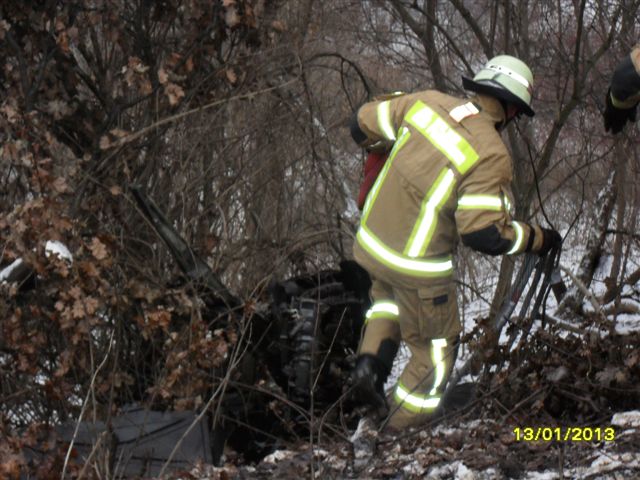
(625, 83)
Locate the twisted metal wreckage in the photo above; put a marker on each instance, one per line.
(306, 334)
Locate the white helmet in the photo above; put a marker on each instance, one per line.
(507, 78)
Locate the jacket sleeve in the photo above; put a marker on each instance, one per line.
(625, 82)
(483, 217)
(375, 125)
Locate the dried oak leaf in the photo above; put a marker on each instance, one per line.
(58, 109)
(231, 17)
(78, 311)
(89, 269)
(174, 92)
(98, 249)
(136, 65)
(608, 375)
(105, 143)
(75, 293)
(91, 305)
(163, 76)
(10, 467)
(232, 77)
(60, 185)
(279, 26)
(159, 318)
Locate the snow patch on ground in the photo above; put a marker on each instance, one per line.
(278, 456)
(6, 272)
(53, 247)
(626, 419)
(457, 470)
(608, 462)
(547, 475)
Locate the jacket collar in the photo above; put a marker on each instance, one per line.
(491, 107)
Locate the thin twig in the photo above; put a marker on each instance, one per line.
(520, 404)
(135, 135)
(85, 404)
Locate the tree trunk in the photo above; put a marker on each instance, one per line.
(612, 280)
(606, 200)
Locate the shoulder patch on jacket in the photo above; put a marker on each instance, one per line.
(463, 111)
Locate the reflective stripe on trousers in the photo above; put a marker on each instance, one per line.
(418, 402)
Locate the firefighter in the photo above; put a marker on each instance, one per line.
(624, 93)
(447, 176)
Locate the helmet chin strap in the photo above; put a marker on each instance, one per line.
(500, 126)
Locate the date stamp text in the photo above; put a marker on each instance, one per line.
(564, 434)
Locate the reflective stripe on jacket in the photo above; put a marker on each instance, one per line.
(448, 174)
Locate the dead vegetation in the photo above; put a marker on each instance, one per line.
(232, 116)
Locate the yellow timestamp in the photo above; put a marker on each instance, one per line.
(564, 434)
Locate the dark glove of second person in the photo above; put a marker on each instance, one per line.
(550, 239)
(615, 118)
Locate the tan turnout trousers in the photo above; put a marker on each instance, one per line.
(427, 320)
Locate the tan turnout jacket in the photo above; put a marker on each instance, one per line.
(448, 174)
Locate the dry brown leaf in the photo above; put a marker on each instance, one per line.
(10, 468)
(75, 293)
(98, 249)
(136, 65)
(62, 224)
(91, 305)
(58, 108)
(105, 143)
(174, 92)
(60, 185)
(159, 319)
(632, 360)
(607, 376)
(20, 227)
(89, 269)
(163, 77)
(119, 133)
(279, 26)
(145, 87)
(78, 311)
(4, 28)
(231, 17)
(63, 42)
(10, 112)
(231, 76)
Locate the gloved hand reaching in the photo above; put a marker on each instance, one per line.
(616, 118)
(550, 239)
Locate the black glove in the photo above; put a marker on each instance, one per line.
(550, 239)
(615, 118)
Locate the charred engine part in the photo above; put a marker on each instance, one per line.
(319, 320)
(303, 320)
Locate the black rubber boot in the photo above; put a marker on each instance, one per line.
(368, 378)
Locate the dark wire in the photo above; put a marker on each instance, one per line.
(535, 177)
